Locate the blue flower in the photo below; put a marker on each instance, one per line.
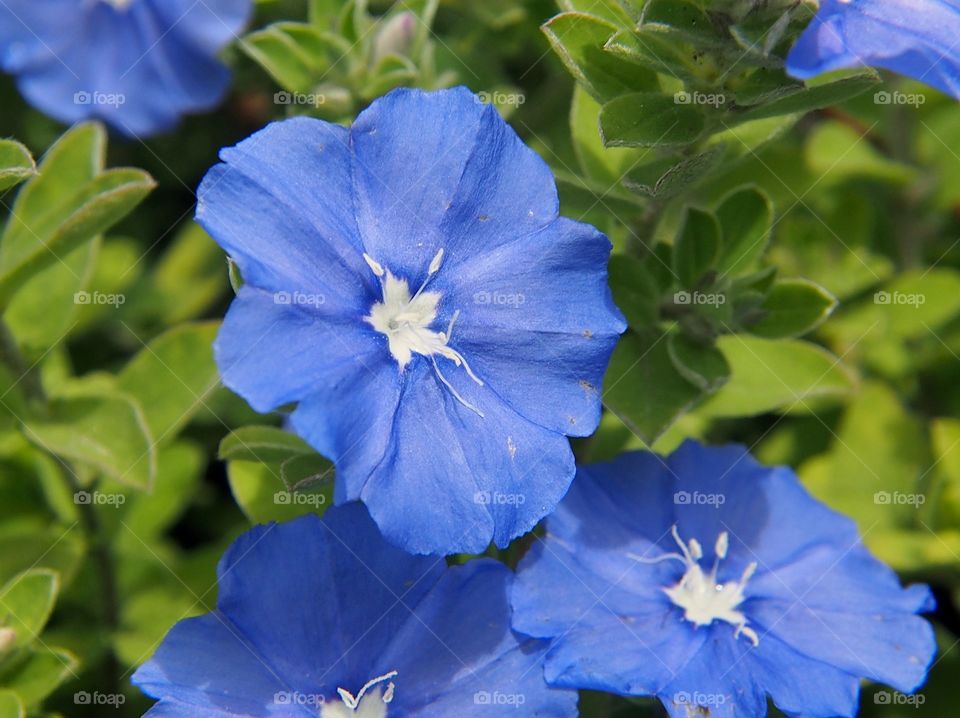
(917, 38)
(323, 618)
(409, 283)
(712, 582)
(136, 64)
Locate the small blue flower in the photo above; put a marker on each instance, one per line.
(917, 38)
(409, 282)
(323, 618)
(712, 582)
(136, 64)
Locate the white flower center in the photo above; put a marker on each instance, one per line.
(702, 598)
(363, 705)
(405, 320)
(118, 4)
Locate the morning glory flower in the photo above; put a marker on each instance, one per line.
(138, 65)
(917, 38)
(411, 288)
(322, 617)
(712, 582)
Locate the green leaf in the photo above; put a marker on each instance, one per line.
(266, 444)
(649, 119)
(635, 291)
(294, 54)
(16, 164)
(45, 308)
(776, 376)
(682, 20)
(108, 432)
(171, 377)
(579, 40)
(10, 705)
(30, 544)
(697, 247)
(702, 365)
(26, 603)
(69, 202)
(792, 308)
(644, 389)
(605, 165)
(814, 97)
(307, 473)
(40, 674)
(746, 219)
(668, 178)
(263, 496)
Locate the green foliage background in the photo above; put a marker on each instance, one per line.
(788, 258)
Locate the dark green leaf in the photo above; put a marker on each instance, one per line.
(649, 119)
(792, 308)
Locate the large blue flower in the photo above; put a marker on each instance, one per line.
(324, 618)
(918, 38)
(136, 64)
(713, 582)
(409, 283)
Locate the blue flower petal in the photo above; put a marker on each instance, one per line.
(316, 605)
(410, 150)
(281, 205)
(465, 616)
(813, 602)
(274, 351)
(802, 685)
(718, 679)
(537, 298)
(498, 474)
(138, 68)
(239, 683)
(917, 39)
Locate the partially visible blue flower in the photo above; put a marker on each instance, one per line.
(917, 38)
(138, 65)
(712, 582)
(409, 283)
(324, 618)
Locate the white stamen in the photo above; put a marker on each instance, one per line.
(364, 704)
(373, 264)
(701, 597)
(435, 264)
(406, 322)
